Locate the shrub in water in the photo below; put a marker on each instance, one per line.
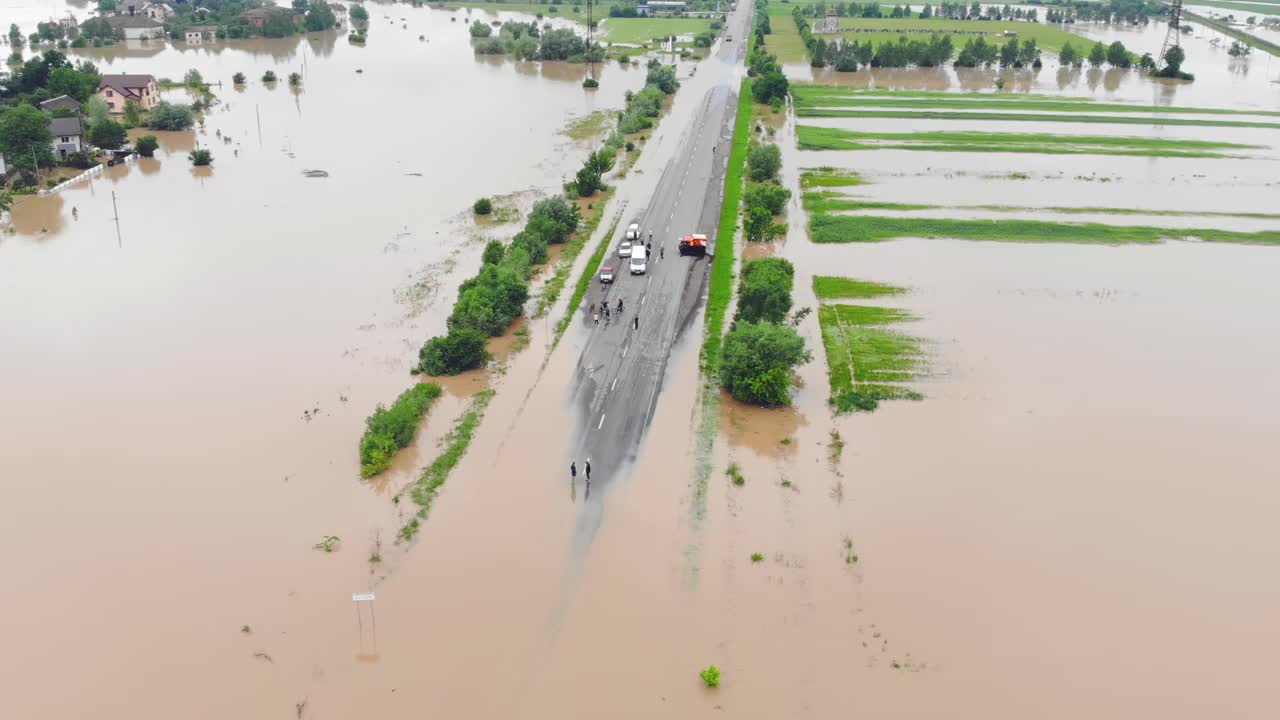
(147, 145)
(389, 429)
(483, 206)
(710, 676)
(461, 350)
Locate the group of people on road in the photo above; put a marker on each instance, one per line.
(608, 314)
(573, 470)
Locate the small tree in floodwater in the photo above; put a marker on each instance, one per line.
(295, 79)
(200, 157)
(269, 76)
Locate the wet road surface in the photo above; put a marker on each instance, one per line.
(620, 372)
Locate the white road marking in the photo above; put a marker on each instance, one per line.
(601, 422)
(614, 385)
(624, 350)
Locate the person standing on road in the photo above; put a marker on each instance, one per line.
(662, 251)
(619, 304)
(573, 470)
(637, 321)
(588, 469)
(595, 318)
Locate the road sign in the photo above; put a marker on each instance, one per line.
(361, 597)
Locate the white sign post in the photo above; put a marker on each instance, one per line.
(366, 597)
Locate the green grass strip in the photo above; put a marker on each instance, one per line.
(1024, 117)
(720, 292)
(427, 486)
(829, 177)
(800, 92)
(388, 430)
(871, 228)
(828, 287)
(865, 359)
(833, 202)
(584, 282)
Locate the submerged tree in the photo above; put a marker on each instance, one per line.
(200, 157)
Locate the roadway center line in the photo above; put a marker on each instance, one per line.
(614, 385)
(624, 350)
(601, 422)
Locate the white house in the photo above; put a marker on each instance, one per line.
(197, 34)
(136, 27)
(68, 136)
(158, 11)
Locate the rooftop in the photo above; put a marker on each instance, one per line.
(119, 22)
(66, 126)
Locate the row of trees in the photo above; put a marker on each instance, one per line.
(488, 303)
(954, 11)
(525, 42)
(1117, 12)
(1116, 55)
(763, 197)
(761, 350)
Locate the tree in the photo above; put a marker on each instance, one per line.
(763, 161)
(765, 290)
(6, 201)
(662, 77)
(269, 76)
(758, 225)
(106, 7)
(238, 78)
(494, 250)
(295, 79)
(359, 14)
(147, 145)
(757, 362)
(97, 110)
(132, 113)
(1068, 56)
(1118, 56)
(767, 195)
(278, 25)
(561, 44)
(108, 135)
(170, 116)
(69, 81)
(1146, 62)
(25, 138)
(461, 350)
(1097, 55)
(1009, 53)
(564, 213)
(300, 6)
(200, 157)
(769, 85)
(481, 29)
(483, 206)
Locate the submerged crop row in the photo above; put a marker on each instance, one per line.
(830, 96)
(810, 137)
(1069, 117)
(866, 361)
(834, 202)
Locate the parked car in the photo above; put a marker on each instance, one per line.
(639, 259)
(606, 274)
(633, 231)
(624, 250)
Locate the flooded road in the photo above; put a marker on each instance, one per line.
(1074, 521)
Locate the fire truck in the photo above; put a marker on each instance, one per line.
(695, 245)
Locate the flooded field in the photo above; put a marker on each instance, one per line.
(1074, 521)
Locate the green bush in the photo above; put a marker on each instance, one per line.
(562, 212)
(200, 157)
(389, 429)
(269, 76)
(79, 160)
(765, 290)
(763, 161)
(493, 252)
(238, 78)
(483, 206)
(768, 196)
(170, 116)
(710, 676)
(480, 29)
(461, 350)
(757, 362)
(147, 145)
(108, 134)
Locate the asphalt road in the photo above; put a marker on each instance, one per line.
(621, 370)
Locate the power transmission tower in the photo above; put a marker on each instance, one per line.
(1172, 35)
(591, 63)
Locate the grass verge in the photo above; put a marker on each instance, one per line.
(642, 30)
(828, 287)
(829, 177)
(1024, 117)
(866, 362)
(809, 137)
(424, 489)
(871, 228)
(389, 429)
(564, 265)
(584, 281)
(720, 291)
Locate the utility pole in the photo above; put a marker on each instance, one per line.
(116, 209)
(591, 63)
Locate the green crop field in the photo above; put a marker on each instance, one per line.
(1025, 117)
(641, 30)
(828, 287)
(865, 360)
(1244, 9)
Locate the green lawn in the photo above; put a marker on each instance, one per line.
(640, 30)
(785, 41)
(601, 9)
(1244, 9)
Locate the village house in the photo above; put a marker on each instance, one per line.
(159, 12)
(62, 102)
(258, 16)
(116, 90)
(68, 136)
(69, 24)
(136, 27)
(197, 34)
(655, 8)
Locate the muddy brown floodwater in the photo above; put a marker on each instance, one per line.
(1075, 521)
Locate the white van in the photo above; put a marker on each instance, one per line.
(639, 259)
